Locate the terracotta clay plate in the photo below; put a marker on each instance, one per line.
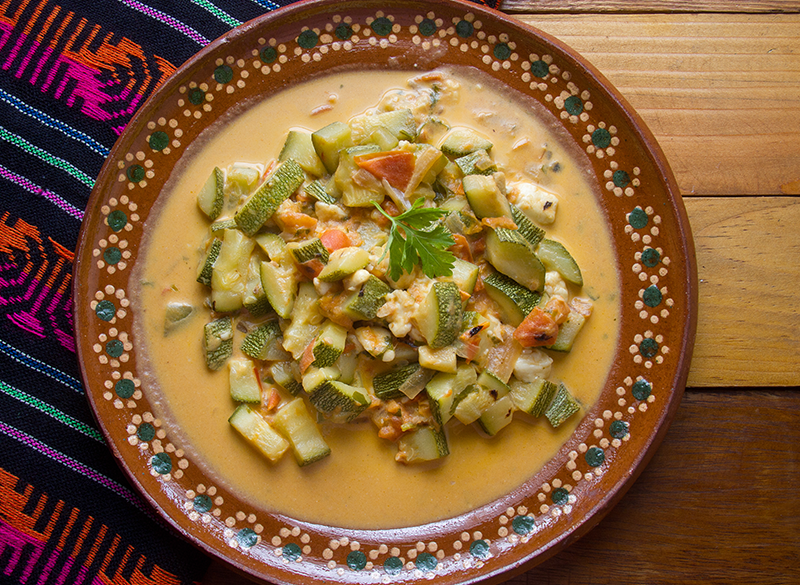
(649, 232)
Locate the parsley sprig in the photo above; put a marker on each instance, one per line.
(417, 238)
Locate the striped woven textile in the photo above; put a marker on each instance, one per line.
(72, 74)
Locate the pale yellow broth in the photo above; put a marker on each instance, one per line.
(360, 485)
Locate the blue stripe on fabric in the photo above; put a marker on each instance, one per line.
(267, 4)
(41, 367)
(54, 124)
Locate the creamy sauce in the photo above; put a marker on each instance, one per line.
(360, 485)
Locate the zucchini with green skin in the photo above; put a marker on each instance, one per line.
(243, 381)
(207, 266)
(562, 407)
(465, 275)
(211, 197)
(260, 206)
(476, 163)
(230, 271)
(439, 315)
(218, 342)
(443, 359)
(364, 303)
(294, 421)
(555, 256)
(443, 389)
(463, 141)
(422, 444)
(498, 416)
(533, 397)
(255, 428)
(329, 345)
(344, 262)
(471, 403)
(300, 148)
(305, 321)
(317, 190)
(398, 123)
(486, 196)
(280, 287)
(337, 399)
(355, 195)
(264, 342)
(328, 141)
(531, 232)
(255, 299)
(512, 255)
(387, 385)
(308, 250)
(515, 301)
(176, 314)
(284, 375)
(568, 332)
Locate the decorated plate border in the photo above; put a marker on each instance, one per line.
(280, 541)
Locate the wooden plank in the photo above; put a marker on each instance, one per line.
(724, 105)
(753, 6)
(716, 505)
(748, 330)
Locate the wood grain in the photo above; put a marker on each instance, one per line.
(724, 106)
(749, 317)
(753, 6)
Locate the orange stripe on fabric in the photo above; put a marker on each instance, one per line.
(101, 534)
(73, 516)
(64, 24)
(36, 14)
(48, 23)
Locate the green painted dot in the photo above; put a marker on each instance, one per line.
(202, 503)
(574, 105)
(427, 27)
(343, 32)
(197, 96)
(135, 173)
(638, 218)
(464, 29)
(618, 429)
(105, 310)
(247, 538)
(522, 524)
(112, 255)
(382, 26)
(356, 560)
(393, 565)
(291, 551)
(223, 74)
(650, 257)
(601, 138)
(161, 463)
(648, 347)
(308, 39)
(479, 549)
(426, 562)
(621, 178)
(158, 140)
(652, 297)
(641, 390)
(117, 220)
(124, 388)
(146, 432)
(502, 51)
(114, 348)
(540, 68)
(560, 496)
(595, 456)
(268, 54)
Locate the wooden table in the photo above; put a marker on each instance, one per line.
(719, 86)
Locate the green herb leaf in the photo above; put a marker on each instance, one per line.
(417, 239)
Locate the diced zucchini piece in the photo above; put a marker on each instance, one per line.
(443, 389)
(365, 302)
(218, 342)
(243, 380)
(387, 385)
(384, 139)
(555, 256)
(422, 444)
(307, 250)
(295, 422)
(343, 401)
(432, 130)
(272, 245)
(264, 342)
(286, 375)
(471, 403)
(493, 383)
(260, 206)
(533, 397)
(223, 224)
(486, 196)
(439, 315)
(463, 141)
(399, 123)
(176, 314)
(344, 262)
(375, 340)
(511, 254)
(531, 232)
(443, 359)
(476, 163)
(348, 364)
(329, 345)
(328, 141)
(229, 275)
(255, 299)
(498, 416)
(562, 407)
(258, 431)
(211, 196)
(300, 148)
(515, 301)
(317, 190)
(354, 195)
(305, 320)
(207, 265)
(241, 179)
(280, 287)
(465, 275)
(316, 378)
(568, 332)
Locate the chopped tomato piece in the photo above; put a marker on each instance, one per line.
(308, 356)
(312, 268)
(537, 329)
(273, 400)
(334, 239)
(558, 308)
(499, 222)
(397, 167)
(461, 248)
